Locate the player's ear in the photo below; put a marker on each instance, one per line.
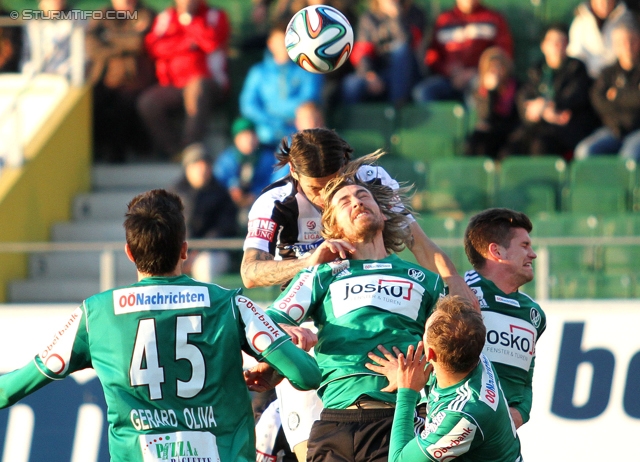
(495, 251)
(127, 251)
(183, 251)
(431, 355)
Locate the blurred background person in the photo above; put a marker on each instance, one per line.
(495, 104)
(119, 70)
(384, 53)
(309, 115)
(553, 102)
(52, 37)
(616, 98)
(189, 44)
(208, 211)
(246, 167)
(459, 37)
(10, 45)
(274, 88)
(590, 33)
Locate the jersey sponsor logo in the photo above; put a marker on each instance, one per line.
(261, 330)
(186, 446)
(134, 299)
(536, 318)
(398, 295)
(433, 424)
(338, 266)
(416, 274)
(262, 457)
(480, 296)
(509, 340)
(455, 443)
(376, 266)
(489, 390)
(296, 301)
(302, 249)
(262, 228)
(507, 301)
(57, 353)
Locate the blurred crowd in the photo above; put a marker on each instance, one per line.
(160, 78)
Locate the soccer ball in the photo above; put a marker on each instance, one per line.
(319, 39)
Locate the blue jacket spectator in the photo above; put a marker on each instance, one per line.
(274, 88)
(246, 167)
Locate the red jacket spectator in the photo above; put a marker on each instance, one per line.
(185, 48)
(459, 39)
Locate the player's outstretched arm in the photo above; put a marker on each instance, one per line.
(20, 383)
(432, 257)
(296, 365)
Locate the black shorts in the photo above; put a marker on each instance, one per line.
(341, 435)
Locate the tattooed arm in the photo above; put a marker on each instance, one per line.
(260, 269)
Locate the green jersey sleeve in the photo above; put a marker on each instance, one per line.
(296, 365)
(297, 302)
(66, 352)
(404, 445)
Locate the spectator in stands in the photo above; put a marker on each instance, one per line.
(119, 69)
(384, 58)
(189, 45)
(52, 38)
(246, 167)
(459, 37)
(308, 115)
(590, 33)
(495, 103)
(208, 211)
(554, 102)
(616, 98)
(274, 88)
(10, 45)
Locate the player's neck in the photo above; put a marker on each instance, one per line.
(504, 282)
(373, 250)
(447, 379)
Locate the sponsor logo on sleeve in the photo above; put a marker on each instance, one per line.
(260, 329)
(416, 274)
(507, 301)
(183, 446)
(262, 228)
(455, 443)
(297, 300)
(509, 340)
(489, 390)
(480, 296)
(398, 295)
(376, 266)
(150, 298)
(57, 354)
(338, 266)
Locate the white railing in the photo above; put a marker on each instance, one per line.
(108, 251)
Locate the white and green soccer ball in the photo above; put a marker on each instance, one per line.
(319, 39)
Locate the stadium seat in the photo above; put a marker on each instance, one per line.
(611, 286)
(607, 172)
(465, 184)
(531, 184)
(410, 172)
(430, 131)
(597, 199)
(365, 126)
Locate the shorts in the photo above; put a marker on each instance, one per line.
(298, 411)
(351, 434)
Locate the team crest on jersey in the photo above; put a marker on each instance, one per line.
(480, 296)
(416, 274)
(311, 225)
(536, 319)
(293, 420)
(507, 301)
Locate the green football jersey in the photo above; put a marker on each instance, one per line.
(167, 351)
(514, 323)
(356, 306)
(468, 421)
